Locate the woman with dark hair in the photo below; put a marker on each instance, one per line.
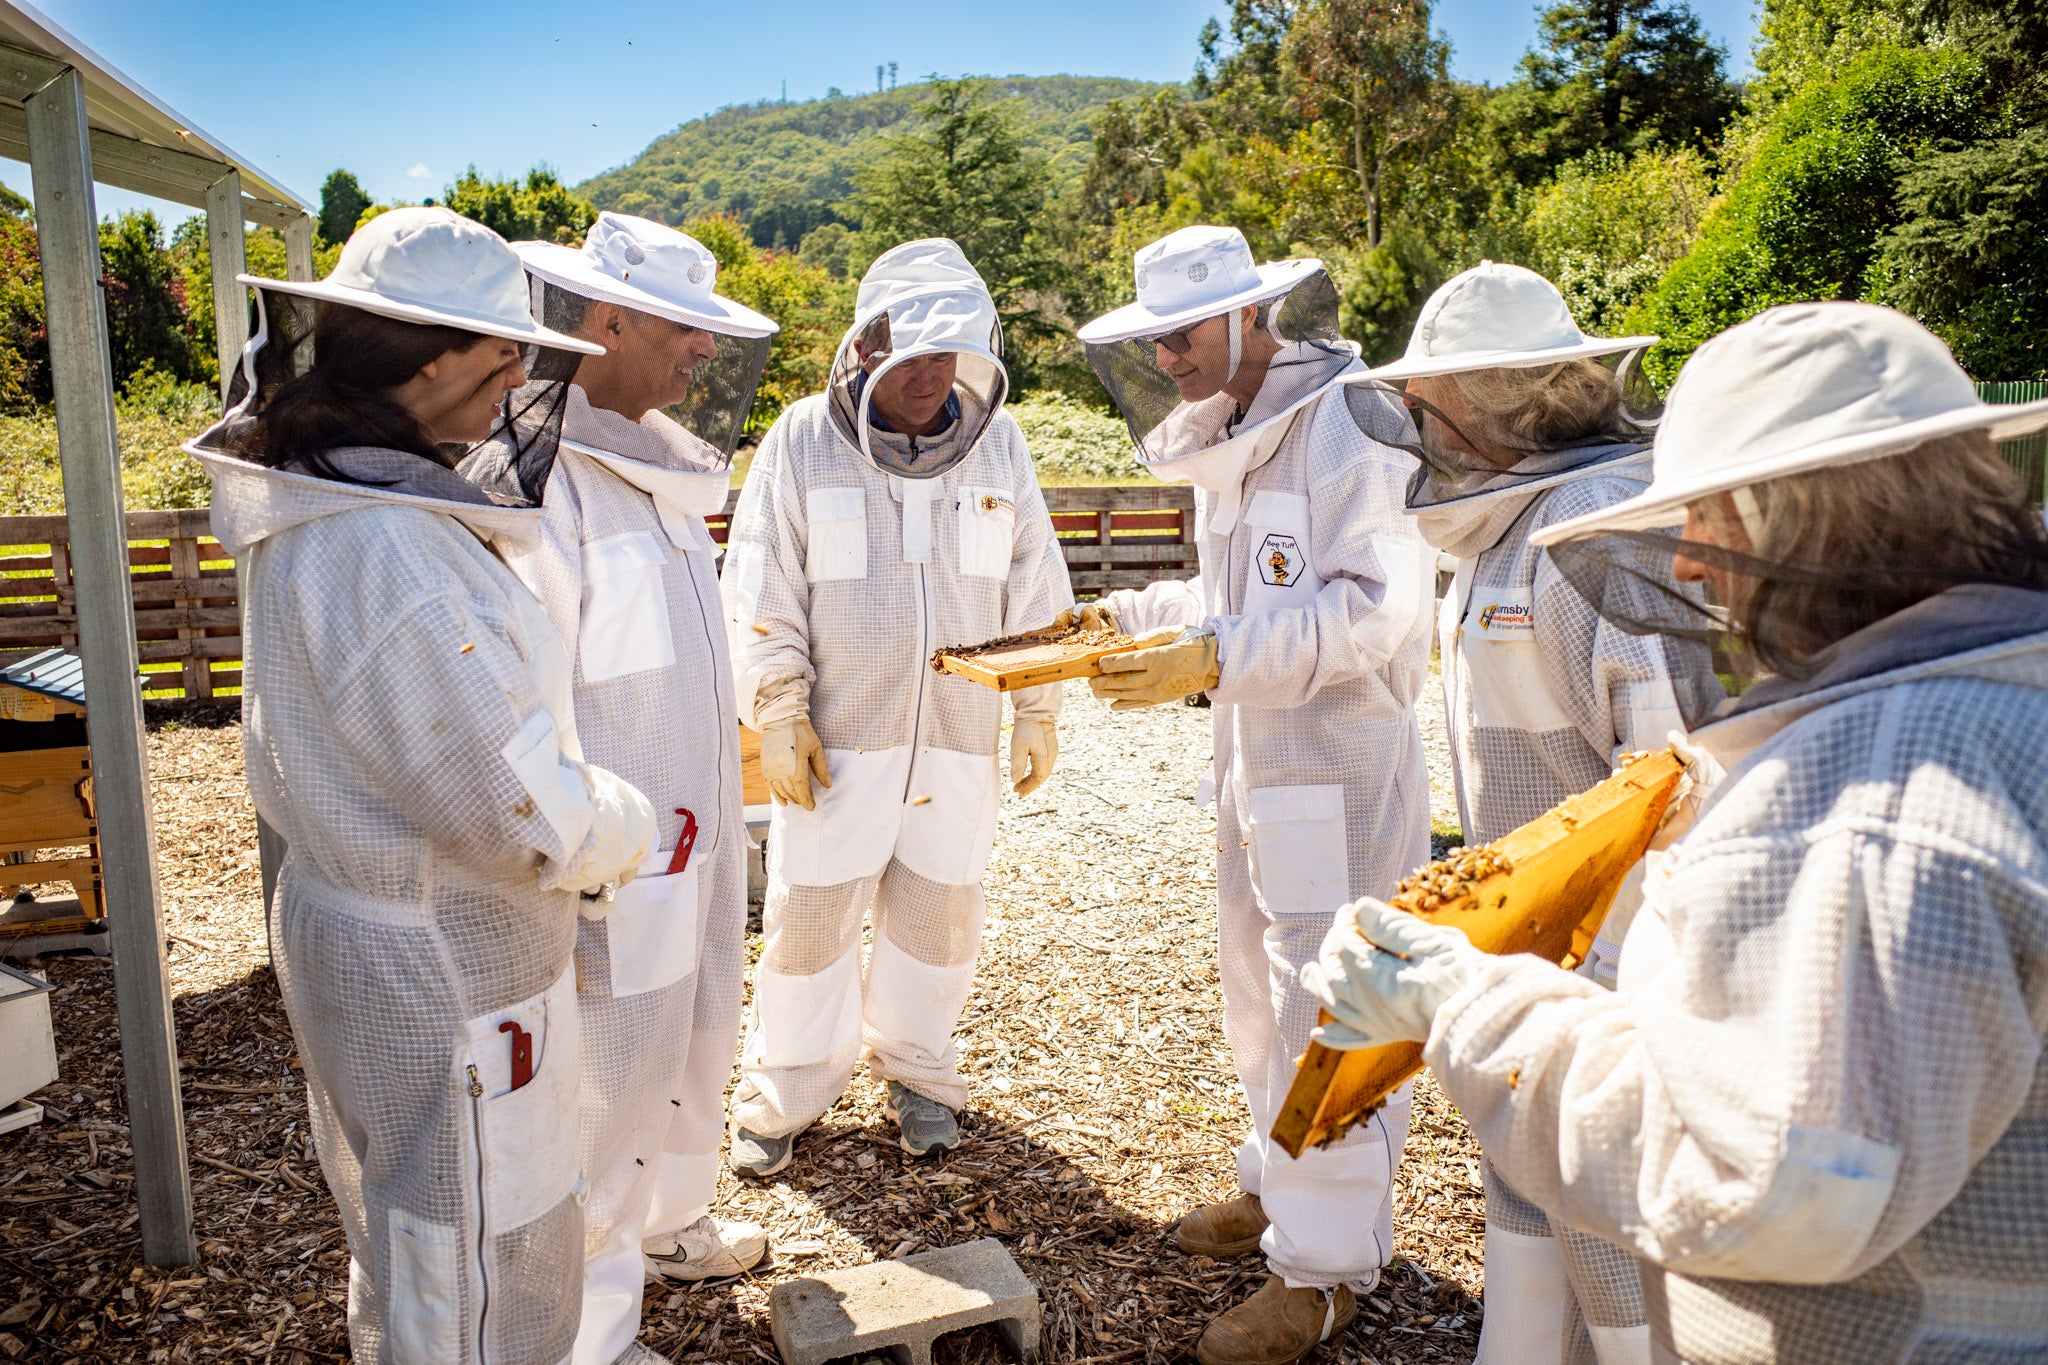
(408, 731)
(1817, 1109)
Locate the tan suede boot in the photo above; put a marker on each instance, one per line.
(1231, 1228)
(1277, 1325)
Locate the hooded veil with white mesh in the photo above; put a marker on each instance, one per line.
(920, 299)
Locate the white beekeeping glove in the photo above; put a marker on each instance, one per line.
(1384, 973)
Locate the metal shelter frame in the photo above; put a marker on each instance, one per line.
(76, 120)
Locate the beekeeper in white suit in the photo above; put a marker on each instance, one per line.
(1817, 1108)
(408, 730)
(895, 513)
(1308, 627)
(1522, 425)
(628, 573)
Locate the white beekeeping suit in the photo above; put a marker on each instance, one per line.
(1315, 588)
(408, 731)
(1541, 694)
(855, 553)
(627, 571)
(1817, 1108)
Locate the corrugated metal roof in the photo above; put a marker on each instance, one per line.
(119, 105)
(54, 673)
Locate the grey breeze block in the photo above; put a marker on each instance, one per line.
(900, 1307)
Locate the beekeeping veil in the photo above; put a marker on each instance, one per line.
(651, 269)
(427, 266)
(920, 299)
(1508, 328)
(1183, 280)
(1797, 389)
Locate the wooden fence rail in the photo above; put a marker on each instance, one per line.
(188, 623)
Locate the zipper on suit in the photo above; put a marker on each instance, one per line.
(924, 649)
(704, 619)
(483, 1234)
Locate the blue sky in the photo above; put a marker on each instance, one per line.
(405, 93)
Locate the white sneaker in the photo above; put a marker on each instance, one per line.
(708, 1249)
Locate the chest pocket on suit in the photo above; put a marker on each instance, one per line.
(837, 545)
(1504, 667)
(1281, 573)
(624, 623)
(988, 531)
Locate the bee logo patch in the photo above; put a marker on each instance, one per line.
(1279, 560)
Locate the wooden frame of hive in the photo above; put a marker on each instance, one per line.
(1557, 876)
(1024, 661)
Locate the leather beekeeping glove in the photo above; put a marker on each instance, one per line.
(1166, 666)
(791, 754)
(790, 757)
(1087, 615)
(1034, 748)
(1384, 973)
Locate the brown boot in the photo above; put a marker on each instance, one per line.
(1277, 1325)
(1230, 1228)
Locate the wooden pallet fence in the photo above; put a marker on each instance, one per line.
(188, 625)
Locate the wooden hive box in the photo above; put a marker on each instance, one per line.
(1543, 889)
(46, 803)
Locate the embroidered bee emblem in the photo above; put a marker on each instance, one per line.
(988, 502)
(1279, 561)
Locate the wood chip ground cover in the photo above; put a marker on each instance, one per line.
(1102, 1106)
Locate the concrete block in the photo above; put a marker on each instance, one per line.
(898, 1308)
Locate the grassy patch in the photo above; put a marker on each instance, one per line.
(153, 418)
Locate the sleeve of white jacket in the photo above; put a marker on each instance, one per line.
(1840, 1035)
(767, 597)
(1365, 548)
(1038, 590)
(442, 708)
(1169, 604)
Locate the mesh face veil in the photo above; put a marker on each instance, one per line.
(1773, 573)
(1294, 334)
(926, 327)
(1578, 415)
(281, 349)
(714, 409)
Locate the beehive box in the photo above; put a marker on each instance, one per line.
(1033, 659)
(1542, 889)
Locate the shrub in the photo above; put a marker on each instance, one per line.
(1806, 217)
(1072, 443)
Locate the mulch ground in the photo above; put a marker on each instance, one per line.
(1103, 1106)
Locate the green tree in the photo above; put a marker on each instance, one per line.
(342, 202)
(1372, 76)
(1608, 226)
(963, 172)
(24, 339)
(538, 208)
(1968, 256)
(1240, 74)
(1808, 215)
(145, 297)
(1135, 146)
(1613, 75)
(813, 308)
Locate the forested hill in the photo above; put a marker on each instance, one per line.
(785, 168)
